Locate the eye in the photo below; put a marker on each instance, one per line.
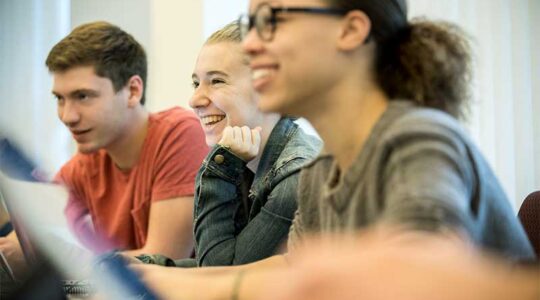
(217, 81)
(81, 96)
(195, 84)
(59, 99)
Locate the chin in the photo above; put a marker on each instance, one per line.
(87, 149)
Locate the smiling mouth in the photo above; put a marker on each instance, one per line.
(211, 120)
(262, 76)
(260, 73)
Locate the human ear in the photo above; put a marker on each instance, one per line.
(355, 30)
(135, 88)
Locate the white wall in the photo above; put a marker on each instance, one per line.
(28, 29)
(218, 13)
(176, 37)
(534, 13)
(130, 15)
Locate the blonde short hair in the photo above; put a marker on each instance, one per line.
(229, 33)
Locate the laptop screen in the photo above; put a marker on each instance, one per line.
(39, 212)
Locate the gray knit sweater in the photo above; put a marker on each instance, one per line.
(418, 169)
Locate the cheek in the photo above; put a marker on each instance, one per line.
(239, 116)
(247, 108)
(220, 102)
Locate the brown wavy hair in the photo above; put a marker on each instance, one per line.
(114, 53)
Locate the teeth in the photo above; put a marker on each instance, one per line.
(259, 73)
(208, 120)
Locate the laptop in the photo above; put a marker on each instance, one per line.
(37, 213)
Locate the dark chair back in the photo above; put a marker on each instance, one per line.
(529, 215)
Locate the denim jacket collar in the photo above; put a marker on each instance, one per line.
(278, 139)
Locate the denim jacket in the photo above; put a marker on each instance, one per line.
(241, 217)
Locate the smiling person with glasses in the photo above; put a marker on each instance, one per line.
(384, 94)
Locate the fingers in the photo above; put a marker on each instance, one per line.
(227, 137)
(243, 141)
(238, 138)
(246, 135)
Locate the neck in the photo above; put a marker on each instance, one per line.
(347, 122)
(125, 152)
(268, 123)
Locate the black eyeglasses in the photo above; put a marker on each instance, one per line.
(264, 19)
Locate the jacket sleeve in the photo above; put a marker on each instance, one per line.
(220, 195)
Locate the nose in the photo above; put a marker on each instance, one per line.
(252, 43)
(200, 97)
(68, 113)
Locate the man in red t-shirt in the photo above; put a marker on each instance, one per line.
(131, 182)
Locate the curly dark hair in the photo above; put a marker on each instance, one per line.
(423, 61)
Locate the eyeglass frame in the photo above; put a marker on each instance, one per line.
(246, 27)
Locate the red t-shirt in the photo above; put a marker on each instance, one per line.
(118, 201)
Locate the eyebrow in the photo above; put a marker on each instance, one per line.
(217, 73)
(78, 91)
(211, 73)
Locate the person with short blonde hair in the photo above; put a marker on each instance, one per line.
(245, 192)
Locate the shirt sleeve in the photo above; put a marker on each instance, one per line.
(180, 156)
(295, 232)
(428, 184)
(307, 209)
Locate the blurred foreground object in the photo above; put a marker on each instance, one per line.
(378, 265)
(15, 164)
